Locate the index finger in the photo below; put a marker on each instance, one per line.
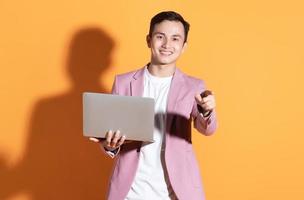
(109, 136)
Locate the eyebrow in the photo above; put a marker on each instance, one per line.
(176, 35)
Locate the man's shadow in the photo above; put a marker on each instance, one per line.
(59, 163)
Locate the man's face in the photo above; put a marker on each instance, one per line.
(166, 42)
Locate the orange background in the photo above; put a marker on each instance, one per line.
(249, 53)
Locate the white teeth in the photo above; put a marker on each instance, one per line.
(166, 53)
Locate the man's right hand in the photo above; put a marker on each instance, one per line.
(112, 141)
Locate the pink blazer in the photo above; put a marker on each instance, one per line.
(182, 167)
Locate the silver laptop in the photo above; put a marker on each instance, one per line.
(133, 116)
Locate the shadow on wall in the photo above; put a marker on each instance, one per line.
(59, 163)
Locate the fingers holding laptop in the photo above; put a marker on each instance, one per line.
(112, 141)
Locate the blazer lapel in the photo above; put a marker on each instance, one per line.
(137, 89)
(137, 84)
(176, 89)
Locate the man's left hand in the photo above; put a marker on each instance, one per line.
(207, 103)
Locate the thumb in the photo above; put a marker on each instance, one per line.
(93, 139)
(198, 98)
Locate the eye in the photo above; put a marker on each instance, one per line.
(159, 36)
(176, 39)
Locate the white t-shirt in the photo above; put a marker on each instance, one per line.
(151, 180)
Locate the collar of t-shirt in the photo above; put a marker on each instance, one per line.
(156, 79)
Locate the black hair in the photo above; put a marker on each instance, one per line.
(171, 16)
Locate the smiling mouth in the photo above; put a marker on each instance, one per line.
(166, 53)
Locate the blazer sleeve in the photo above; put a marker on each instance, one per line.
(205, 125)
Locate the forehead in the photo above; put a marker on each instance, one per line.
(169, 28)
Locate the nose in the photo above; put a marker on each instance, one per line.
(166, 43)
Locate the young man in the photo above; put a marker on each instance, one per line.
(166, 169)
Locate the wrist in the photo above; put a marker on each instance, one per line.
(109, 148)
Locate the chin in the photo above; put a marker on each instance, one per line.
(166, 61)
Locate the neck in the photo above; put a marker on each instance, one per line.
(161, 70)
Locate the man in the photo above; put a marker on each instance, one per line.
(167, 168)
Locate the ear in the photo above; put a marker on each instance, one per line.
(184, 47)
(148, 40)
